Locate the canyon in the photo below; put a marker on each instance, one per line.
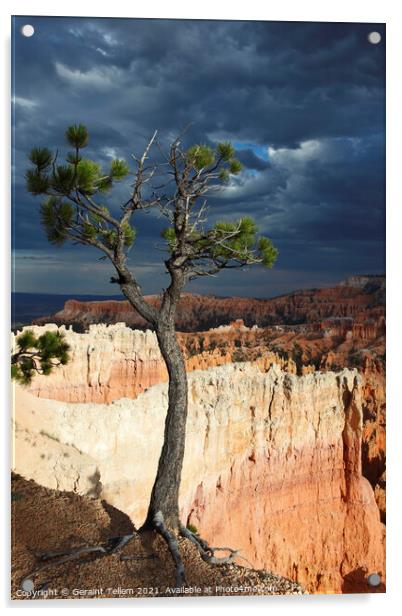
(111, 362)
(44, 519)
(273, 461)
(360, 298)
(285, 449)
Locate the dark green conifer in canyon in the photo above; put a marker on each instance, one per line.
(37, 355)
(74, 210)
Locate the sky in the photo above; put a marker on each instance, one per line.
(303, 103)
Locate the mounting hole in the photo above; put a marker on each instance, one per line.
(374, 579)
(28, 585)
(27, 30)
(374, 38)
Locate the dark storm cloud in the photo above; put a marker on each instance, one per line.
(312, 93)
(331, 189)
(250, 160)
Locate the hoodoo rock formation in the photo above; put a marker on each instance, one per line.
(285, 452)
(107, 363)
(272, 463)
(112, 362)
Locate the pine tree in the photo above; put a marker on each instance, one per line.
(74, 210)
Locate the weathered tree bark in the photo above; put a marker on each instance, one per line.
(165, 492)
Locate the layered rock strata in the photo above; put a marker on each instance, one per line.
(361, 298)
(107, 363)
(44, 519)
(272, 466)
(111, 362)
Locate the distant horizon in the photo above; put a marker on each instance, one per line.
(28, 306)
(117, 296)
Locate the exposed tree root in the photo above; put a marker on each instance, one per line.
(207, 552)
(84, 554)
(59, 557)
(173, 548)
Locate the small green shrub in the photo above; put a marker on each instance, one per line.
(192, 529)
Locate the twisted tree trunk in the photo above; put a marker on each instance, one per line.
(165, 492)
(163, 510)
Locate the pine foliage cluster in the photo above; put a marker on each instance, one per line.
(73, 208)
(65, 185)
(37, 355)
(230, 242)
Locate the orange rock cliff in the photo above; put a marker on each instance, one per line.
(360, 298)
(343, 326)
(285, 453)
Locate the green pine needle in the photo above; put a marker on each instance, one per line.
(41, 158)
(225, 150)
(77, 135)
(33, 354)
(119, 169)
(200, 156)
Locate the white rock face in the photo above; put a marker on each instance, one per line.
(272, 464)
(108, 361)
(234, 410)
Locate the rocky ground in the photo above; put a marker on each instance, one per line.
(46, 520)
